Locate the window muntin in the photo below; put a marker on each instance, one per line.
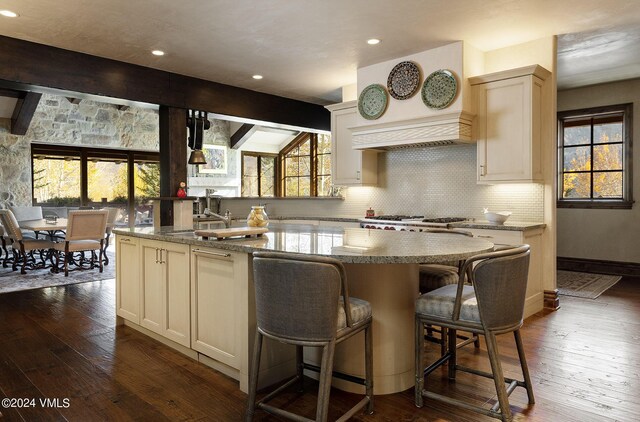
(594, 157)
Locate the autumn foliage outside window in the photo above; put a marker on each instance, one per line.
(306, 166)
(595, 165)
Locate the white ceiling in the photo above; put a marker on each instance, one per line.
(308, 49)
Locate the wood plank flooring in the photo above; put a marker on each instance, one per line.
(62, 343)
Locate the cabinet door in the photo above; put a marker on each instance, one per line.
(127, 278)
(350, 166)
(509, 130)
(218, 278)
(153, 295)
(177, 324)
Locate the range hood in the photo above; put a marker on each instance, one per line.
(409, 122)
(441, 129)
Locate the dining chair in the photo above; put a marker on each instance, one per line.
(304, 301)
(85, 232)
(23, 213)
(3, 251)
(434, 276)
(493, 305)
(112, 216)
(23, 247)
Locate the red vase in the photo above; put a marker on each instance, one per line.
(182, 193)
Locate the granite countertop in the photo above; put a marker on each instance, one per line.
(358, 246)
(512, 226)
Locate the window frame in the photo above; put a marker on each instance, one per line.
(626, 202)
(131, 157)
(276, 178)
(313, 152)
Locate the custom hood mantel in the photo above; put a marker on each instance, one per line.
(409, 122)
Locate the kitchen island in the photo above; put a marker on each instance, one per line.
(197, 295)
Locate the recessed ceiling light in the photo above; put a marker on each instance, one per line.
(257, 76)
(373, 41)
(157, 53)
(8, 13)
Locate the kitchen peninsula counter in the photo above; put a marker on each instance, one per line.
(353, 246)
(197, 295)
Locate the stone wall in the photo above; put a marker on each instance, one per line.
(58, 121)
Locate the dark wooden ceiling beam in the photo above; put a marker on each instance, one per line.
(10, 93)
(36, 65)
(241, 135)
(23, 113)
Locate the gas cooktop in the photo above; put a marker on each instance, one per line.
(417, 218)
(397, 217)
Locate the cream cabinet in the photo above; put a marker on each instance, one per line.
(219, 305)
(164, 278)
(509, 124)
(127, 274)
(535, 291)
(349, 167)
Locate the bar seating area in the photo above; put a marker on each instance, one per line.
(492, 305)
(305, 301)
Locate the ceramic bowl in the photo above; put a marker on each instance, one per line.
(497, 217)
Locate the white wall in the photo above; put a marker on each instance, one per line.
(611, 235)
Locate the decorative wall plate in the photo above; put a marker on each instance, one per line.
(372, 102)
(403, 80)
(439, 89)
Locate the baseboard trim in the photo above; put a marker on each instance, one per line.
(551, 300)
(599, 266)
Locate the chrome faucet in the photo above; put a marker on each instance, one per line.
(226, 219)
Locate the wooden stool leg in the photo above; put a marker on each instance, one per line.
(419, 364)
(498, 376)
(453, 338)
(300, 367)
(525, 367)
(324, 389)
(253, 378)
(368, 366)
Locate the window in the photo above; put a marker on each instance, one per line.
(303, 168)
(74, 176)
(258, 174)
(595, 157)
(306, 166)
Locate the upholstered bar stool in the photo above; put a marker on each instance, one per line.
(304, 301)
(493, 305)
(434, 276)
(24, 247)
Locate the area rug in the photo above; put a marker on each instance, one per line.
(586, 285)
(11, 281)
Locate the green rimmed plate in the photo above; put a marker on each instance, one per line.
(439, 89)
(372, 102)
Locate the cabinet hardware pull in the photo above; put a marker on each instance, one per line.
(482, 170)
(125, 240)
(157, 261)
(485, 237)
(357, 174)
(225, 255)
(162, 261)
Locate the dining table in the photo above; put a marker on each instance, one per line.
(50, 226)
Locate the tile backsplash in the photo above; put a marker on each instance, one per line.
(431, 181)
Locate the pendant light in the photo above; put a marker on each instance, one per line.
(197, 126)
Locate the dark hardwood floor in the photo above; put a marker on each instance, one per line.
(62, 343)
